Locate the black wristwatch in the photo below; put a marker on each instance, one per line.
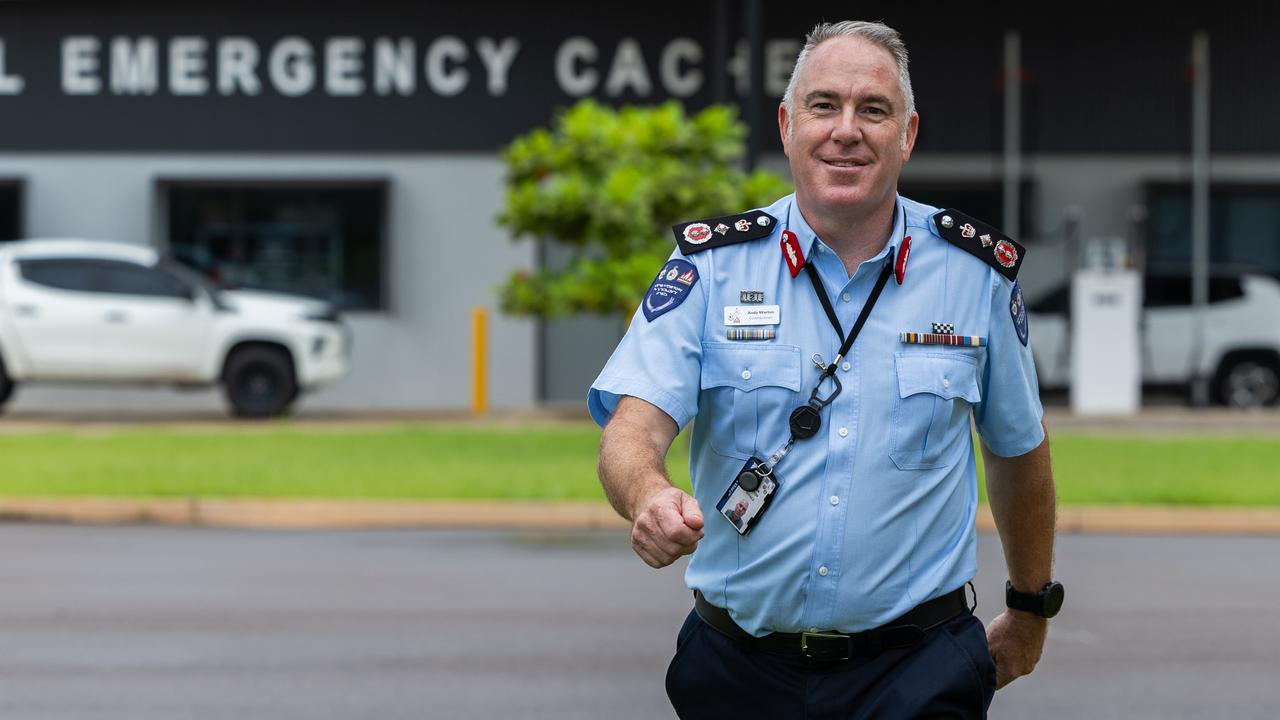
(1045, 603)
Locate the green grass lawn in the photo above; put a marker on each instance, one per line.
(554, 462)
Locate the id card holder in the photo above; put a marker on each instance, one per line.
(742, 507)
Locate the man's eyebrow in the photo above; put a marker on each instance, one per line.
(833, 95)
(820, 95)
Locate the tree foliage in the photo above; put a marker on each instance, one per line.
(608, 184)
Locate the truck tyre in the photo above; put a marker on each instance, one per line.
(1249, 381)
(259, 382)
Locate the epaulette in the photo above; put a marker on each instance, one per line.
(980, 240)
(702, 235)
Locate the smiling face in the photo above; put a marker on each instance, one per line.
(848, 135)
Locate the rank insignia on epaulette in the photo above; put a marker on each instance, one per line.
(981, 240)
(702, 235)
(915, 338)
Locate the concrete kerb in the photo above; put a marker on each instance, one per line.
(368, 514)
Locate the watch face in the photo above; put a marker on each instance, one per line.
(1053, 597)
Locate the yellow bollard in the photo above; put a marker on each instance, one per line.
(480, 356)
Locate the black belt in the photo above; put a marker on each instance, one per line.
(903, 632)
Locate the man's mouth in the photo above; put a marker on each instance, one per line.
(844, 163)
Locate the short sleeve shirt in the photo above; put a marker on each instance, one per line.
(875, 514)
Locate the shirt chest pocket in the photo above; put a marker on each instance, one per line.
(931, 412)
(748, 391)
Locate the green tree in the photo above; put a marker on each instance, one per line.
(608, 184)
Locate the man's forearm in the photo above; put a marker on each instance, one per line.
(632, 463)
(1023, 503)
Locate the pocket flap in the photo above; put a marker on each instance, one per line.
(948, 376)
(749, 366)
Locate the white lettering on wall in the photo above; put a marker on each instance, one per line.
(394, 65)
(441, 78)
(80, 65)
(572, 80)
(343, 61)
(292, 67)
(135, 68)
(628, 71)
(9, 84)
(238, 66)
(680, 84)
(497, 59)
(187, 66)
(779, 58)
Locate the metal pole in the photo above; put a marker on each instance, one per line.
(755, 98)
(720, 92)
(1012, 131)
(1199, 213)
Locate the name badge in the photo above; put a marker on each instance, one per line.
(752, 315)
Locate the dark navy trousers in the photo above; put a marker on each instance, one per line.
(948, 675)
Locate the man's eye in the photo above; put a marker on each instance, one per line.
(823, 106)
(874, 111)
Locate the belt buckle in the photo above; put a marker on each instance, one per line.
(843, 651)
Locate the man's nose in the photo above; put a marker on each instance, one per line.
(847, 130)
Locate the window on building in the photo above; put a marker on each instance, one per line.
(1244, 227)
(323, 239)
(10, 209)
(982, 200)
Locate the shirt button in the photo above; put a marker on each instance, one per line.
(844, 297)
(844, 432)
(746, 374)
(823, 571)
(946, 383)
(835, 500)
(845, 366)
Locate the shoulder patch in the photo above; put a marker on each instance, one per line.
(980, 240)
(1018, 312)
(669, 288)
(702, 235)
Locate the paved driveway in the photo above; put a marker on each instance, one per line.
(168, 623)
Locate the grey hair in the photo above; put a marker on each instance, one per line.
(876, 33)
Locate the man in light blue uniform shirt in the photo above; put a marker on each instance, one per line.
(869, 532)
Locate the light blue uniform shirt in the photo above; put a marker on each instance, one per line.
(874, 514)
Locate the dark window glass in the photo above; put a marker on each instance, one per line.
(10, 210)
(322, 240)
(1175, 290)
(1162, 291)
(68, 274)
(123, 278)
(1244, 227)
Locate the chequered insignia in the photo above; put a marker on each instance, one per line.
(944, 328)
(699, 235)
(981, 241)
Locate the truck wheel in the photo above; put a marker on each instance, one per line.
(1249, 382)
(259, 382)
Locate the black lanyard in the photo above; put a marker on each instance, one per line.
(807, 418)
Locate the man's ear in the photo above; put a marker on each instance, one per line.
(784, 121)
(913, 127)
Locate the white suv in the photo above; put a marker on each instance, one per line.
(98, 311)
(1241, 353)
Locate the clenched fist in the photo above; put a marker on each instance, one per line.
(668, 525)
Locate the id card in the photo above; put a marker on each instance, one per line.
(742, 507)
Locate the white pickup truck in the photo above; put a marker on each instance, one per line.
(107, 312)
(1241, 349)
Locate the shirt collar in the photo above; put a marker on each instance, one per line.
(809, 241)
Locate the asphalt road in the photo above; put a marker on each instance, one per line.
(167, 623)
